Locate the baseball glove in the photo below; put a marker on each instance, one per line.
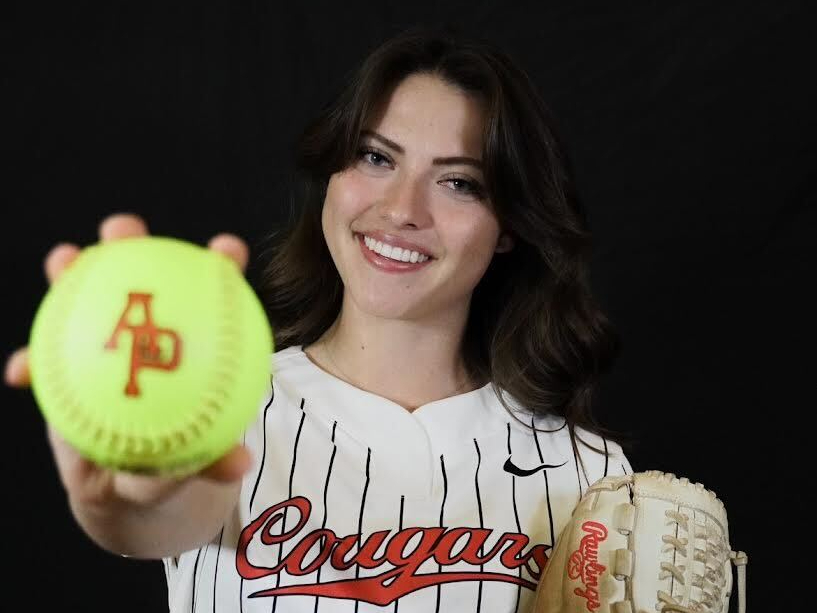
(643, 543)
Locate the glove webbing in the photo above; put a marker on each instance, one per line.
(714, 579)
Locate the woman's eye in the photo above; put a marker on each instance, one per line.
(464, 186)
(373, 157)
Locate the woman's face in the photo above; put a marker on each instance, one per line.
(416, 185)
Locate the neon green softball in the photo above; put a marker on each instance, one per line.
(151, 354)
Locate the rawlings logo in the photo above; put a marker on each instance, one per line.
(400, 576)
(145, 350)
(584, 563)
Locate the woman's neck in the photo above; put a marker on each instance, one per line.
(410, 363)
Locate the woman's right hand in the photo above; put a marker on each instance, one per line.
(87, 484)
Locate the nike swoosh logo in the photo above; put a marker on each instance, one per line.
(512, 468)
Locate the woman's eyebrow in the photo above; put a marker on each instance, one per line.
(444, 161)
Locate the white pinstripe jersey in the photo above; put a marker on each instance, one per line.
(356, 505)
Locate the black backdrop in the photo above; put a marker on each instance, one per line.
(693, 134)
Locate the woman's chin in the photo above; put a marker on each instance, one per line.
(387, 307)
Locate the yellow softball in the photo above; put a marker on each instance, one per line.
(151, 355)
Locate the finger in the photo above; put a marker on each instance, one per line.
(121, 225)
(84, 482)
(73, 466)
(230, 467)
(88, 483)
(58, 259)
(143, 489)
(233, 247)
(17, 373)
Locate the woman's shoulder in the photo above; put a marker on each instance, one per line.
(291, 370)
(555, 428)
(600, 454)
(594, 441)
(287, 354)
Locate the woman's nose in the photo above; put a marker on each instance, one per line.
(406, 203)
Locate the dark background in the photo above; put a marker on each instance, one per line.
(692, 129)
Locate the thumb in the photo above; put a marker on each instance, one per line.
(230, 467)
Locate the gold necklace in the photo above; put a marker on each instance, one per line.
(348, 379)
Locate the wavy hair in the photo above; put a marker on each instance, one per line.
(534, 329)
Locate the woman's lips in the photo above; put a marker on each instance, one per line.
(387, 264)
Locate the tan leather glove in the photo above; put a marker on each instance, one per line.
(643, 543)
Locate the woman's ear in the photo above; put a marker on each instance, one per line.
(504, 244)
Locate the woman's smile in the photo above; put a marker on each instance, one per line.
(384, 256)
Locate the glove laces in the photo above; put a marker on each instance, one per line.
(698, 568)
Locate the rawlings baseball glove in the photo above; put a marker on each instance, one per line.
(643, 543)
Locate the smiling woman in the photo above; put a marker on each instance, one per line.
(428, 432)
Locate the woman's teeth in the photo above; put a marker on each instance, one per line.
(394, 253)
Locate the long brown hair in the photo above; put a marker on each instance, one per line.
(534, 329)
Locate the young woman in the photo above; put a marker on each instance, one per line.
(427, 432)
